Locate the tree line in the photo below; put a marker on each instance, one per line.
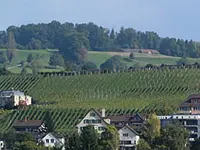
(90, 36)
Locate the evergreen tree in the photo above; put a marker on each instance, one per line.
(49, 121)
(11, 48)
(30, 58)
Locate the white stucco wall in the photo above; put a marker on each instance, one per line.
(131, 136)
(96, 125)
(50, 144)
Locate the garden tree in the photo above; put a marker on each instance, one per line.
(152, 128)
(9, 138)
(74, 47)
(56, 60)
(131, 56)
(183, 61)
(175, 137)
(110, 138)
(143, 145)
(89, 66)
(11, 48)
(24, 71)
(89, 139)
(73, 142)
(114, 63)
(23, 137)
(49, 121)
(30, 58)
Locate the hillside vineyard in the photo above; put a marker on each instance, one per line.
(69, 97)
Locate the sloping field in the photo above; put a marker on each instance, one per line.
(68, 97)
(116, 90)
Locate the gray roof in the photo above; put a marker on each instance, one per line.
(10, 92)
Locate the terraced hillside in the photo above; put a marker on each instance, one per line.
(65, 119)
(70, 96)
(118, 90)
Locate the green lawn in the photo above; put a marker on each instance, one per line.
(97, 57)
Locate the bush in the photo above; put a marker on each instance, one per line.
(131, 56)
(89, 66)
(114, 63)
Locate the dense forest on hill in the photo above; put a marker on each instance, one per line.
(96, 38)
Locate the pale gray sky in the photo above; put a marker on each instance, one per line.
(174, 18)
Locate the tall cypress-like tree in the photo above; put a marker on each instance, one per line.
(11, 47)
(49, 121)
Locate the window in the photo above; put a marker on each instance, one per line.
(47, 140)
(195, 108)
(134, 142)
(125, 142)
(92, 114)
(125, 134)
(101, 128)
(81, 128)
(52, 140)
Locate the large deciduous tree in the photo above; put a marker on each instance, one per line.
(152, 128)
(56, 60)
(110, 139)
(74, 47)
(175, 137)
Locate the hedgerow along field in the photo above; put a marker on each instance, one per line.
(139, 91)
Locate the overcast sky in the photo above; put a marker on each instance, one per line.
(174, 18)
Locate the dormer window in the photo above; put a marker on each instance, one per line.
(92, 114)
(195, 101)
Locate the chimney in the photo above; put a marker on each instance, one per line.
(25, 119)
(103, 112)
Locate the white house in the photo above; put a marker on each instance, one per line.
(128, 138)
(14, 98)
(95, 119)
(2, 145)
(52, 140)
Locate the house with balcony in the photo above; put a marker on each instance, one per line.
(190, 122)
(135, 121)
(96, 119)
(14, 98)
(35, 127)
(128, 138)
(191, 105)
